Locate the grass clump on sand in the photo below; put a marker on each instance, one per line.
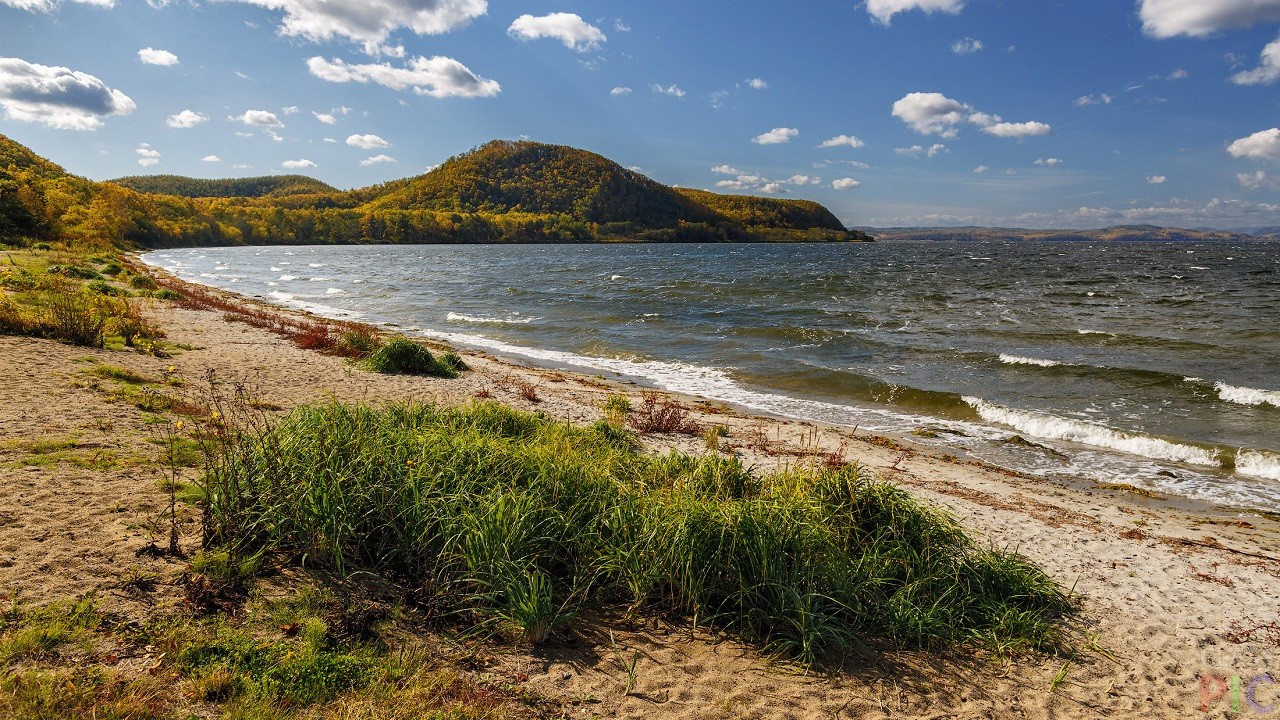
(515, 523)
(404, 356)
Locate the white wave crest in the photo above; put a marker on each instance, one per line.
(462, 318)
(1247, 395)
(287, 278)
(1083, 331)
(334, 291)
(1020, 360)
(1052, 427)
(1258, 464)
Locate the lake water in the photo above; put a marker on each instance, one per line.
(1155, 364)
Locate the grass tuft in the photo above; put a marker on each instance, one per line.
(404, 356)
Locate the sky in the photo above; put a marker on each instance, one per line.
(1026, 113)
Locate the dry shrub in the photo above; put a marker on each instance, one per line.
(658, 414)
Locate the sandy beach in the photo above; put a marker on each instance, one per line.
(1171, 595)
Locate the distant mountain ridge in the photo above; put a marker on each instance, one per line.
(267, 186)
(1115, 233)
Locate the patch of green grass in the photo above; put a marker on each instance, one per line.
(404, 356)
(142, 282)
(27, 633)
(520, 522)
(119, 374)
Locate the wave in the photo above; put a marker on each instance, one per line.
(334, 291)
(1247, 395)
(1053, 427)
(480, 320)
(1258, 463)
(287, 278)
(1020, 360)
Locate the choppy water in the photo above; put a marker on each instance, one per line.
(1156, 364)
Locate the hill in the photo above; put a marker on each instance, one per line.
(1116, 233)
(502, 192)
(253, 187)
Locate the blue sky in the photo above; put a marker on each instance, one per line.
(1034, 113)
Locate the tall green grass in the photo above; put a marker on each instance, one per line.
(515, 522)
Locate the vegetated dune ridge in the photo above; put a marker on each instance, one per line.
(1168, 592)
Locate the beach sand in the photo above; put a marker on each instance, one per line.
(1167, 590)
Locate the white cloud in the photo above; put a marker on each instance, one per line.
(576, 33)
(152, 56)
(620, 90)
(210, 158)
(1256, 181)
(186, 119)
(291, 110)
(931, 113)
(57, 96)
(757, 83)
(771, 188)
(259, 118)
(438, 77)
(1178, 74)
(377, 159)
(884, 10)
(370, 22)
(367, 142)
(672, 90)
(330, 140)
(1198, 18)
(776, 136)
(147, 156)
(297, 164)
(980, 169)
(1049, 162)
(966, 46)
(845, 184)
(1262, 145)
(842, 140)
(326, 118)
(1268, 70)
(1099, 99)
(1156, 180)
(621, 26)
(804, 180)
(1018, 130)
(240, 133)
(726, 170)
(51, 5)
(731, 184)
(918, 150)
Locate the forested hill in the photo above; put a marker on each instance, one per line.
(502, 192)
(268, 186)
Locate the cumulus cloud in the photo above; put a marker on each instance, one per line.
(757, 83)
(152, 56)
(57, 96)
(147, 156)
(1262, 145)
(1268, 70)
(297, 164)
(326, 118)
(726, 170)
(210, 158)
(842, 140)
(672, 90)
(377, 159)
(1099, 99)
(845, 184)
(776, 136)
(966, 46)
(370, 22)
(936, 114)
(1049, 162)
(1256, 181)
(1178, 74)
(1198, 18)
(771, 188)
(918, 150)
(803, 180)
(259, 118)
(620, 90)
(1156, 180)
(367, 142)
(1018, 130)
(438, 76)
(750, 181)
(980, 169)
(576, 33)
(884, 10)
(931, 113)
(185, 119)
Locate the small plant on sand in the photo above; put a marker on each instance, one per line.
(616, 407)
(357, 343)
(658, 414)
(404, 356)
(72, 316)
(714, 435)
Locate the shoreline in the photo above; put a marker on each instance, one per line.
(1164, 587)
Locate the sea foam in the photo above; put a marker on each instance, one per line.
(462, 318)
(1247, 395)
(1053, 427)
(1258, 463)
(1020, 360)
